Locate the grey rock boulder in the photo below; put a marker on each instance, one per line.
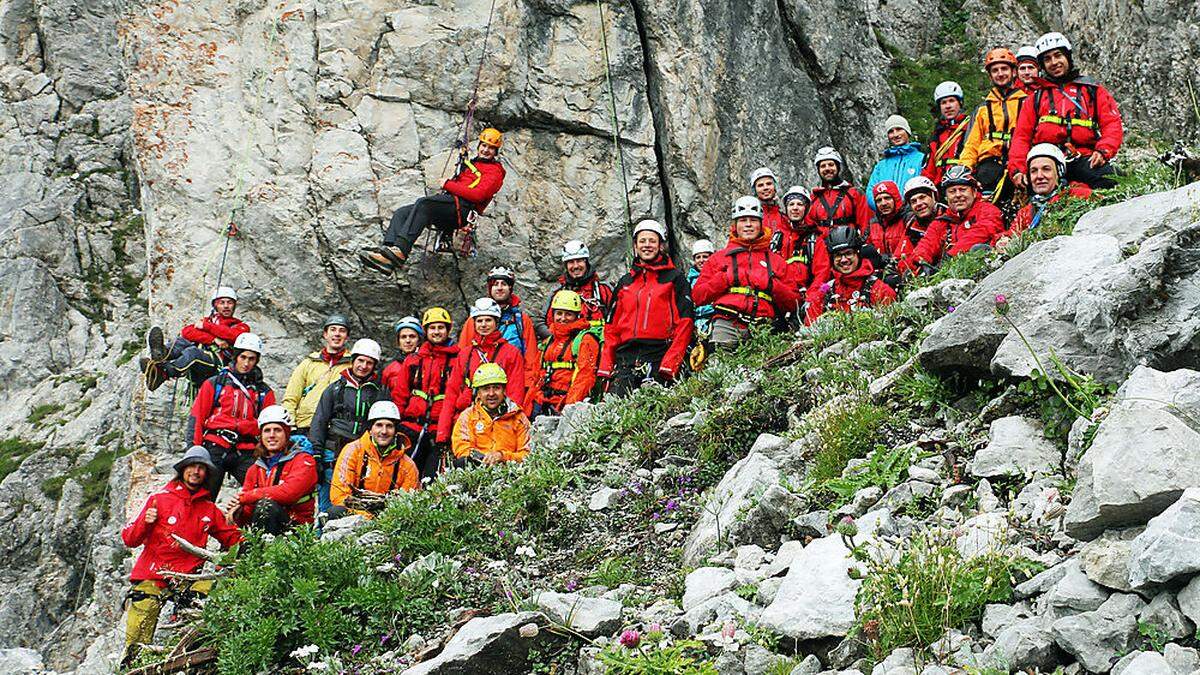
(1105, 559)
(1164, 615)
(1170, 545)
(1028, 643)
(1189, 600)
(1143, 663)
(486, 645)
(1098, 638)
(1017, 447)
(728, 502)
(590, 616)
(705, 583)
(1075, 592)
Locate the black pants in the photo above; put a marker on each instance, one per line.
(637, 363)
(426, 452)
(188, 359)
(229, 461)
(270, 516)
(988, 173)
(1081, 171)
(409, 221)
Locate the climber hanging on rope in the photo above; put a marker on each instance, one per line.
(466, 194)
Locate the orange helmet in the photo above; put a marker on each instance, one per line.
(493, 137)
(999, 55)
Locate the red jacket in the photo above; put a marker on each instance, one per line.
(597, 298)
(421, 386)
(477, 183)
(747, 279)
(287, 480)
(945, 146)
(516, 327)
(774, 219)
(215, 327)
(889, 236)
(951, 233)
(845, 292)
(841, 204)
(491, 348)
(1026, 215)
(1081, 105)
(651, 303)
(191, 515)
(798, 247)
(229, 401)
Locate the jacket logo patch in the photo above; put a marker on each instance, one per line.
(479, 427)
(172, 520)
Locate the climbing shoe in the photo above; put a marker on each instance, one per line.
(155, 375)
(156, 345)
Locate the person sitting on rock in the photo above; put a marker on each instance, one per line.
(567, 368)
(949, 131)
(486, 345)
(854, 286)
(377, 463)
(580, 277)
(409, 336)
(317, 371)
(986, 149)
(1047, 171)
(183, 507)
(494, 429)
(902, 159)
(745, 282)
(420, 388)
(765, 186)
(224, 415)
(278, 493)
(886, 238)
(469, 192)
(921, 208)
(1071, 111)
(341, 414)
(515, 324)
(970, 224)
(702, 250)
(1028, 67)
(649, 330)
(835, 202)
(201, 348)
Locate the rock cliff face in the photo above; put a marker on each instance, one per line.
(133, 131)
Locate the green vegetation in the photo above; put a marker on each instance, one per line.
(92, 478)
(13, 451)
(680, 658)
(884, 468)
(846, 432)
(40, 413)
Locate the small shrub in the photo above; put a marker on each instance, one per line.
(847, 432)
(13, 451)
(40, 413)
(679, 658)
(883, 469)
(612, 572)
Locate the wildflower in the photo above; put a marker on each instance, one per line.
(355, 650)
(384, 638)
(630, 639)
(671, 505)
(729, 630)
(846, 527)
(728, 640)
(305, 651)
(268, 538)
(526, 551)
(950, 309)
(318, 665)
(572, 584)
(654, 631)
(1001, 304)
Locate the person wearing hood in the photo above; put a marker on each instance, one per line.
(580, 277)
(902, 159)
(567, 372)
(986, 149)
(201, 349)
(317, 371)
(854, 286)
(487, 345)
(278, 493)
(341, 414)
(885, 241)
(949, 131)
(835, 202)
(184, 508)
(224, 413)
(494, 429)
(420, 387)
(649, 329)
(971, 223)
(377, 463)
(515, 324)
(745, 282)
(1074, 112)
(1047, 171)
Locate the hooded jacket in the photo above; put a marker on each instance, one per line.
(516, 327)
(1077, 110)
(596, 295)
(361, 466)
(899, 163)
(567, 370)
(652, 303)
(308, 381)
(840, 204)
(421, 386)
(887, 234)
(476, 433)
(477, 183)
(191, 515)
(945, 146)
(287, 479)
(747, 279)
(341, 414)
(952, 233)
(229, 401)
(491, 348)
(992, 128)
(845, 292)
(215, 326)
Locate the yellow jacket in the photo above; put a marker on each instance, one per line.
(991, 130)
(306, 384)
(477, 434)
(361, 466)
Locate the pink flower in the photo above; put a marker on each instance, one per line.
(655, 627)
(630, 639)
(356, 650)
(729, 630)
(1001, 304)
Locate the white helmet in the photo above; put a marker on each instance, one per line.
(918, 183)
(1051, 41)
(223, 292)
(366, 347)
(797, 191)
(501, 272)
(275, 414)
(575, 250)
(248, 342)
(702, 246)
(762, 172)
(1028, 52)
(746, 206)
(1051, 151)
(828, 152)
(651, 225)
(947, 88)
(485, 307)
(383, 410)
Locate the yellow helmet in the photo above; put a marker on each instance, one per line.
(568, 301)
(436, 315)
(488, 373)
(492, 137)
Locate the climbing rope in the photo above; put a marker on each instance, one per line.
(464, 137)
(616, 128)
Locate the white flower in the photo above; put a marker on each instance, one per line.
(318, 665)
(526, 551)
(496, 565)
(386, 567)
(305, 651)
(268, 537)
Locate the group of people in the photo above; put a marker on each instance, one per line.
(352, 423)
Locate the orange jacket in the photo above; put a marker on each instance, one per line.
(564, 376)
(476, 433)
(360, 466)
(992, 129)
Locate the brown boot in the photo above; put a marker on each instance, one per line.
(384, 258)
(155, 375)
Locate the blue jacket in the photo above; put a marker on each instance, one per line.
(898, 165)
(703, 311)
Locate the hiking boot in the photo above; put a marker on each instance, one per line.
(155, 375)
(384, 258)
(156, 345)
